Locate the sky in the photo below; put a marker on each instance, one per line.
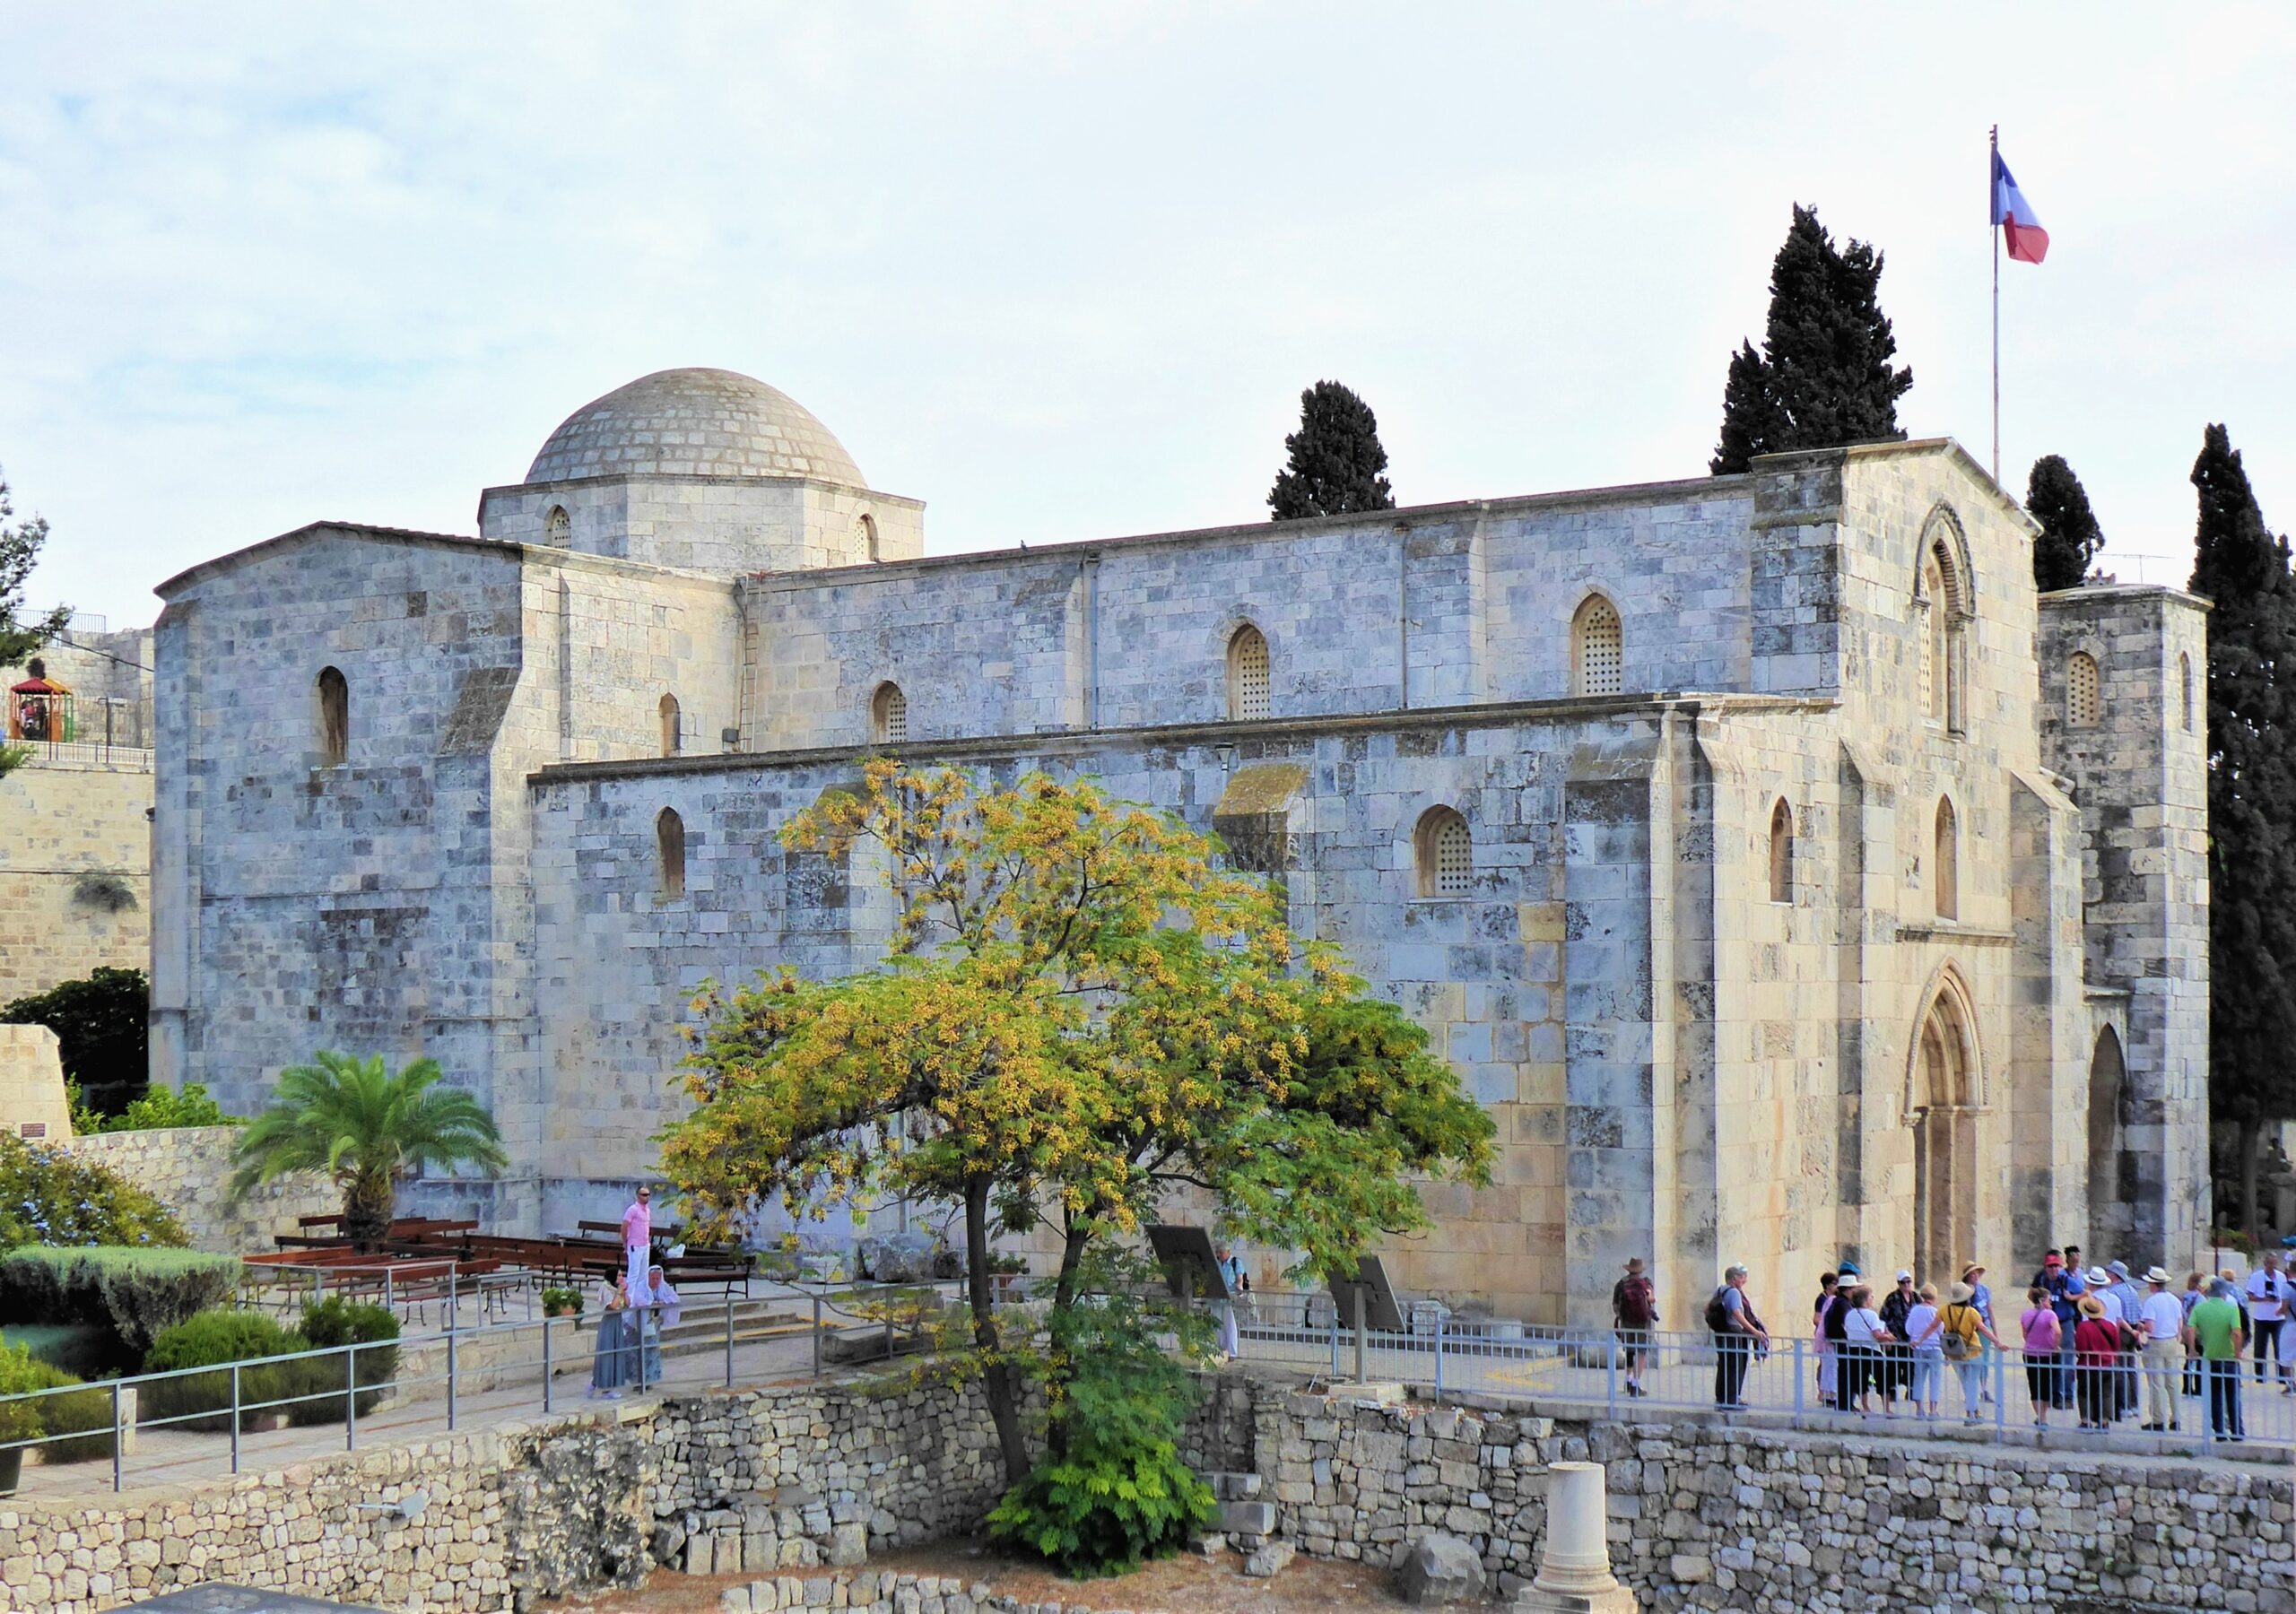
(1061, 271)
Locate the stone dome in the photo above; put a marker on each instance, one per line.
(694, 422)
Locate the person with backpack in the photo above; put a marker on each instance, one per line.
(1897, 1355)
(1923, 1329)
(2096, 1342)
(1833, 1322)
(1863, 1337)
(1738, 1333)
(1634, 1313)
(1959, 1334)
(1827, 1284)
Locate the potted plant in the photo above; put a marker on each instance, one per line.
(558, 1301)
(18, 1421)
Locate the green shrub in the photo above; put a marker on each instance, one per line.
(333, 1323)
(81, 1409)
(1115, 1490)
(212, 1338)
(48, 1197)
(557, 1296)
(136, 1293)
(158, 1110)
(91, 1352)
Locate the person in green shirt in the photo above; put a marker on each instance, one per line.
(2213, 1332)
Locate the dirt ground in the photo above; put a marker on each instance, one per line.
(1185, 1585)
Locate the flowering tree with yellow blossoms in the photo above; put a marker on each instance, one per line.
(1081, 1013)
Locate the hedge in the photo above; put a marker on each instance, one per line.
(335, 1322)
(208, 1339)
(89, 1409)
(137, 1293)
(49, 1196)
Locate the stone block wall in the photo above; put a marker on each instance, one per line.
(33, 1102)
(75, 871)
(189, 1169)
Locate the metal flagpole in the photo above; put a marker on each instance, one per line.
(1992, 169)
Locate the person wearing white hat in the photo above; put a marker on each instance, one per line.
(2163, 1325)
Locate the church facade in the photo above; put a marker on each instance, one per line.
(1788, 879)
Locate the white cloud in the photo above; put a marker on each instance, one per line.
(1062, 272)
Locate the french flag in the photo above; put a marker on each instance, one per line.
(2020, 230)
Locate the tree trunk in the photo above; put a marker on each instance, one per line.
(367, 1208)
(999, 1381)
(2251, 1145)
(1063, 1296)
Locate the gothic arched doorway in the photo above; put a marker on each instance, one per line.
(1942, 1112)
(2111, 1169)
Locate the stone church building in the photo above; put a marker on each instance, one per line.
(1790, 879)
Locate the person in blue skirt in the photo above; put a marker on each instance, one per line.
(609, 1364)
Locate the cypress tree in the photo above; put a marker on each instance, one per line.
(2070, 537)
(1336, 464)
(1824, 377)
(2239, 566)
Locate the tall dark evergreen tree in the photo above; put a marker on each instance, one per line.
(1823, 375)
(1336, 466)
(2070, 537)
(2244, 569)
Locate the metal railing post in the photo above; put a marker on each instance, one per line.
(1335, 1339)
(1610, 1374)
(1438, 1360)
(450, 1375)
(546, 1322)
(1357, 1289)
(235, 1418)
(388, 1289)
(116, 1438)
(817, 1336)
(888, 1332)
(350, 1399)
(453, 1297)
(729, 1337)
(2000, 1394)
(1800, 1404)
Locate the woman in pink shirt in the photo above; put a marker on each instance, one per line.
(2043, 1334)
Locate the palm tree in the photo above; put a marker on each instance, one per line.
(366, 1129)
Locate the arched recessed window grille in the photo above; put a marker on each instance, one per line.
(868, 525)
(1947, 878)
(1248, 673)
(334, 718)
(557, 526)
(889, 716)
(1781, 852)
(673, 726)
(669, 846)
(2184, 681)
(2084, 700)
(1942, 612)
(1446, 849)
(1598, 650)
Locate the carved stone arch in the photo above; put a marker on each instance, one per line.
(1941, 535)
(1246, 653)
(1944, 594)
(2112, 1165)
(1945, 1090)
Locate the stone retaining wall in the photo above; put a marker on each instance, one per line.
(1704, 1515)
(189, 1168)
(758, 1482)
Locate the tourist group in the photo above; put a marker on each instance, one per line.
(2102, 1343)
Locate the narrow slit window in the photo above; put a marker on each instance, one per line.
(1248, 673)
(334, 718)
(2084, 702)
(889, 716)
(1781, 853)
(2184, 681)
(1947, 877)
(669, 845)
(868, 525)
(1446, 855)
(1598, 649)
(673, 726)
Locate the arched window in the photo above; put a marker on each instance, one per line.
(2084, 702)
(1446, 854)
(557, 526)
(889, 716)
(869, 531)
(669, 843)
(2183, 680)
(1947, 876)
(1942, 612)
(1598, 650)
(1781, 852)
(334, 718)
(673, 726)
(1248, 673)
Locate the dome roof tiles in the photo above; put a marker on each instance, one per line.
(694, 422)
